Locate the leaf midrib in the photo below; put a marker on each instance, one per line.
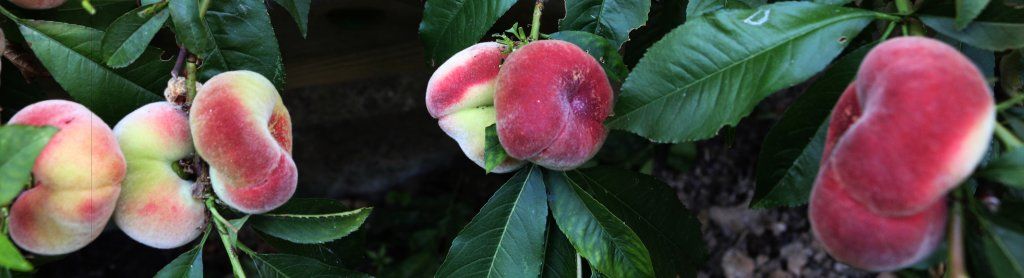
(830, 21)
(82, 56)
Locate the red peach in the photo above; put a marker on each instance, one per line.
(552, 99)
(241, 127)
(77, 180)
(911, 127)
(927, 117)
(157, 207)
(460, 95)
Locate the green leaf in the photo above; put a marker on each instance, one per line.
(993, 245)
(1008, 169)
(597, 234)
(967, 11)
(601, 49)
(507, 237)
(72, 12)
(997, 28)
(559, 257)
(244, 40)
(1011, 69)
(450, 26)
(348, 251)
(310, 221)
(788, 162)
(697, 8)
(665, 16)
(236, 225)
(191, 30)
(129, 35)
(652, 209)
(72, 55)
(687, 89)
(299, 9)
(19, 148)
(833, 2)
(188, 264)
(10, 257)
(287, 265)
(494, 153)
(612, 19)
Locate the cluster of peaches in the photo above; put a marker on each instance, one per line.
(912, 126)
(548, 100)
(88, 172)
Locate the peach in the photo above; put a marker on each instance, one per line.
(552, 99)
(242, 129)
(157, 206)
(38, 4)
(77, 178)
(910, 128)
(855, 236)
(460, 94)
(927, 117)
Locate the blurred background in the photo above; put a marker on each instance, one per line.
(355, 90)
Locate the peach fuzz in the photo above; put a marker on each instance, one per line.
(242, 129)
(910, 128)
(460, 94)
(77, 178)
(157, 207)
(927, 117)
(552, 99)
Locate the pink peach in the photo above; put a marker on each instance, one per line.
(77, 180)
(552, 99)
(460, 95)
(242, 129)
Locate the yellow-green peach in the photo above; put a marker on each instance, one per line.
(77, 178)
(157, 207)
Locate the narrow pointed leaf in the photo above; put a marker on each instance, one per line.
(450, 26)
(292, 266)
(999, 27)
(310, 221)
(19, 148)
(128, 36)
(71, 53)
(494, 153)
(10, 257)
(299, 10)
(967, 11)
(686, 89)
(188, 264)
(788, 162)
(596, 233)
(243, 40)
(559, 257)
(612, 19)
(507, 237)
(652, 209)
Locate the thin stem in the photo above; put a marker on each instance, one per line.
(1011, 141)
(905, 31)
(88, 7)
(888, 30)
(956, 236)
(190, 81)
(1009, 103)
(535, 28)
(889, 17)
(236, 266)
(180, 62)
